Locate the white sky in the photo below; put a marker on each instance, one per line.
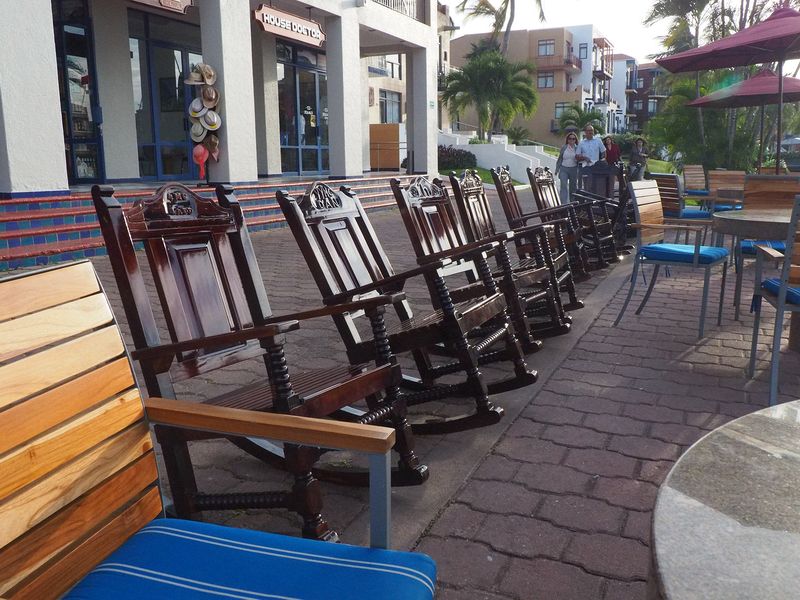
(621, 21)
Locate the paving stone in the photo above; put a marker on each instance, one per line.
(468, 594)
(499, 497)
(638, 525)
(581, 514)
(572, 388)
(523, 536)
(628, 493)
(626, 590)
(458, 520)
(654, 414)
(542, 579)
(558, 479)
(496, 467)
(654, 471)
(462, 563)
(609, 555)
(615, 424)
(630, 395)
(601, 462)
(575, 437)
(525, 428)
(685, 435)
(529, 450)
(643, 447)
(688, 403)
(553, 415)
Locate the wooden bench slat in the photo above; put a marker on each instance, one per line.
(49, 367)
(36, 330)
(34, 504)
(35, 459)
(43, 290)
(76, 522)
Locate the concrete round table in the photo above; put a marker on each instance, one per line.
(759, 224)
(726, 524)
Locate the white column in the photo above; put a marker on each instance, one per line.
(265, 81)
(31, 135)
(225, 32)
(365, 154)
(344, 95)
(115, 88)
(421, 104)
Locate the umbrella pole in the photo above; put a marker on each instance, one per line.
(761, 140)
(780, 117)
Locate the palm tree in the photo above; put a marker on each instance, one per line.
(495, 88)
(576, 117)
(501, 14)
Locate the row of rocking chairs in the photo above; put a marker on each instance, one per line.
(210, 295)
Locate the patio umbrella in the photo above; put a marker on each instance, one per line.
(761, 89)
(777, 38)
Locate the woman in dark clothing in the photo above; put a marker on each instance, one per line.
(638, 162)
(613, 153)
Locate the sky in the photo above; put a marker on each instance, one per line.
(621, 21)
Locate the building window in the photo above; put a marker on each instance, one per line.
(546, 79)
(560, 108)
(547, 47)
(583, 51)
(638, 105)
(640, 83)
(652, 106)
(390, 106)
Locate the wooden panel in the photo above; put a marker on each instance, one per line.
(39, 329)
(694, 177)
(771, 191)
(62, 575)
(30, 418)
(35, 459)
(43, 290)
(46, 497)
(49, 367)
(21, 558)
(725, 179)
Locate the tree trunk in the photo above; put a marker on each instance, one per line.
(700, 125)
(507, 34)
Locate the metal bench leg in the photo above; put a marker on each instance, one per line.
(776, 356)
(737, 293)
(722, 292)
(634, 275)
(706, 281)
(650, 287)
(751, 369)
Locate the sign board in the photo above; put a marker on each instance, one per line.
(178, 6)
(287, 25)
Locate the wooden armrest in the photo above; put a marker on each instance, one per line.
(166, 352)
(393, 283)
(343, 307)
(769, 252)
(666, 226)
(465, 250)
(678, 221)
(286, 428)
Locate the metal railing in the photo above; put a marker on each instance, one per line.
(405, 7)
(569, 61)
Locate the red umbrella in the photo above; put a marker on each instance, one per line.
(777, 38)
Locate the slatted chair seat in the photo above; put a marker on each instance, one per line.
(683, 253)
(172, 558)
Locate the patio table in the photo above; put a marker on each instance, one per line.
(759, 224)
(727, 519)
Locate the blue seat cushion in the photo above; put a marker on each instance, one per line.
(774, 285)
(726, 207)
(683, 253)
(177, 559)
(696, 192)
(749, 246)
(695, 213)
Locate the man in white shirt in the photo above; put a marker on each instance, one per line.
(590, 148)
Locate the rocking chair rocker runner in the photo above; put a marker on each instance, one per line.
(216, 308)
(347, 261)
(525, 275)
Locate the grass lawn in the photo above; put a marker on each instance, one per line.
(659, 166)
(484, 174)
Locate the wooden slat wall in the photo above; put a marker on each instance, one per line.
(725, 180)
(770, 191)
(77, 470)
(694, 177)
(649, 211)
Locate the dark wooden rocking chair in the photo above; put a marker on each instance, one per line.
(517, 217)
(529, 277)
(591, 211)
(348, 263)
(213, 299)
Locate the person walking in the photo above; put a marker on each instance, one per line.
(638, 162)
(590, 151)
(567, 168)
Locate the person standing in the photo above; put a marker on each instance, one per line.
(590, 151)
(613, 153)
(638, 162)
(567, 168)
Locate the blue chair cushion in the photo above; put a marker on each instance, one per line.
(695, 213)
(179, 560)
(749, 246)
(726, 207)
(696, 192)
(774, 285)
(683, 253)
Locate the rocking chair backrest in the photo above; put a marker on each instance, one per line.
(648, 210)
(508, 195)
(77, 469)
(204, 269)
(694, 177)
(770, 191)
(669, 189)
(473, 206)
(339, 245)
(544, 188)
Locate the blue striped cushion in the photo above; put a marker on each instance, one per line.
(179, 560)
(749, 246)
(774, 285)
(695, 213)
(683, 253)
(727, 207)
(696, 192)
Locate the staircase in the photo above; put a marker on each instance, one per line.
(39, 231)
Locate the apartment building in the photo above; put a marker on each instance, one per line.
(574, 66)
(646, 89)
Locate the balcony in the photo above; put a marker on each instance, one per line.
(569, 63)
(409, 8)
(603, 69)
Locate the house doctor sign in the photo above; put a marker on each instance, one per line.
(289, 26)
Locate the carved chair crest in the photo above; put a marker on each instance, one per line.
(320, 198)
(421, 189)
(471, 182)
(175, 202)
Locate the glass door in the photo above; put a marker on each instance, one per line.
(303, 102)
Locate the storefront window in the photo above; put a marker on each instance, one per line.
(390, 106)
(287, 98)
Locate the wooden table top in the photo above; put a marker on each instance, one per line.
(754, 223)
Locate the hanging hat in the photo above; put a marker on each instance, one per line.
(198, 132)
(212, 144)
(200, 157)
(209, 96)
(208, 73)
(211, 120)
(196, 108)
(195, 77)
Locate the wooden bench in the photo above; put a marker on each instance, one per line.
(79, 488)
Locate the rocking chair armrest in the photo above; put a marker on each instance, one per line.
(337, 308)
(166, 352)
(275, 426)
(591, 195)
(393, 283)
(667, 226)
(768, 252)
(465, 250)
